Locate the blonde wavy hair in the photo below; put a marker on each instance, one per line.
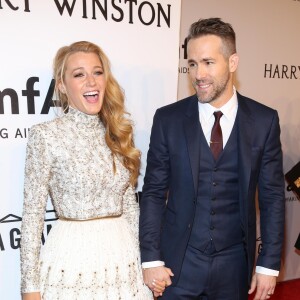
(119, 129)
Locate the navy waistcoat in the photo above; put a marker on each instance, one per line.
(217, 216)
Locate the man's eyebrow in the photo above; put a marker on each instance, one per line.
(191, 60)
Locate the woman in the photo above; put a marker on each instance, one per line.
(86, 162)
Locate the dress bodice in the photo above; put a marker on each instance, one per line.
(82, 181)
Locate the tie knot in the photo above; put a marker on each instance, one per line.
(218, 115)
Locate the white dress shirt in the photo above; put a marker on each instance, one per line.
(207, 118)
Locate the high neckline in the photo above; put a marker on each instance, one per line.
(83, 118)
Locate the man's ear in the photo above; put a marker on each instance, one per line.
(233, 62)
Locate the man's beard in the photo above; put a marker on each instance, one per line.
(218, 90)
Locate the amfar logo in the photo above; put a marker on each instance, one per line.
(183, 49)
(10, 238)
(282, 71)
(144, 11)
(183, 52)
(29, 93)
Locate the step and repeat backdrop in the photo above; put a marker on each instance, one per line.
(133, 33)
(142, 39)
(269, 71)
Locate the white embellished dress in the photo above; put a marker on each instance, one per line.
(68, 159)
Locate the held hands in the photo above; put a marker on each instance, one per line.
(157, 279)
(31, 296)
(264, 285)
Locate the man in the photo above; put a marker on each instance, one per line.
(201, 241)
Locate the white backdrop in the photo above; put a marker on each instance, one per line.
(269, 71)
(132, 33)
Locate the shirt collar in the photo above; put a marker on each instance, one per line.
(229, 109)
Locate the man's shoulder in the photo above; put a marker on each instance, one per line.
(179, 106)
(254, 106)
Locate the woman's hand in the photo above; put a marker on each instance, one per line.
(157, 279)
(31, 296)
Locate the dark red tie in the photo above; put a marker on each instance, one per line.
(216, 139)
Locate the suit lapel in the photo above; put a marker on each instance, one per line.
(192, 134)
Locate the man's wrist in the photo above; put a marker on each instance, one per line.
(152, 264)
(266, 271)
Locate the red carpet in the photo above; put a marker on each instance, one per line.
(287, 290)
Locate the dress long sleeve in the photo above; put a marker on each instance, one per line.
(131, 211)
(37, 173)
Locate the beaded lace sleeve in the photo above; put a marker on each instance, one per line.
(37, 173)
(131, 211)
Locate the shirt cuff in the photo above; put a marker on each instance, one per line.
(152, 264)
(266, 271)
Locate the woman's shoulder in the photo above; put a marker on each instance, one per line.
(46, 128)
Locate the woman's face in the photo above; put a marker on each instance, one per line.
(84, 82)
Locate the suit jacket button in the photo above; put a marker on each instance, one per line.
(212, 228)
(189, 226)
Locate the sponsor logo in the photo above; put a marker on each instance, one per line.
(281, 71)
(10, 236)
(291, 199)
(128, 11)
(30, 93)
(183, 69)
(28, 100)
(12, 5)
(183, 49)
(18, 133)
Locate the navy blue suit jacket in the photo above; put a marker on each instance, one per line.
(172, 173)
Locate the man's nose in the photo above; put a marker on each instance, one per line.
(200, 73)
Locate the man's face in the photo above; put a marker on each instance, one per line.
(210, 71)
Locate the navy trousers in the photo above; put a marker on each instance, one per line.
(211, 275)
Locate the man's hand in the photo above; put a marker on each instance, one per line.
(157, 279)
(264, 285)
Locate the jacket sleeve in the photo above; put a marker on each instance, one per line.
(153, 202)
(271, 199)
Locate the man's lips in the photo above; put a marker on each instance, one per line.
(203, 86)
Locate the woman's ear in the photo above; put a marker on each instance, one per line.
(62, 88)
